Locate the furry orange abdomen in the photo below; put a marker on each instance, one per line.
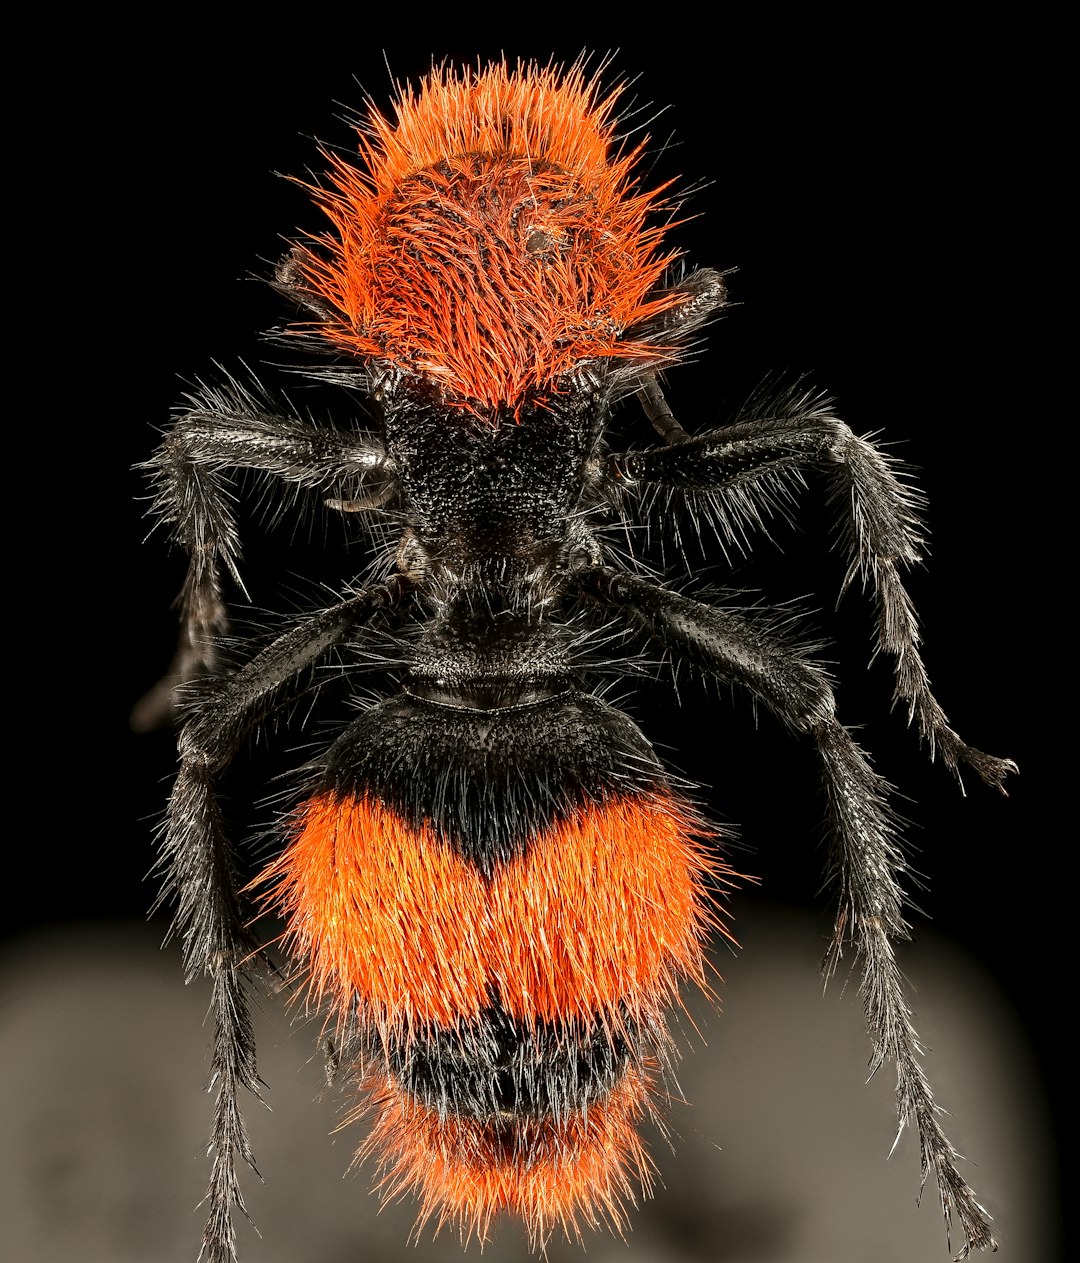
(604, 913)
(580, 1168)
(511, 1026)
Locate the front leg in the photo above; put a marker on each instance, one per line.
(743, 469)
(866, 859)
(222, 430)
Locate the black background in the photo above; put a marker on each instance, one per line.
(881, 194)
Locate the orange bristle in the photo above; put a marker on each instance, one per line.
(494, 240)
(602, 915)
(581, 1170)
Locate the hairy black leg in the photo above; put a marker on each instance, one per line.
(199, 874)
(743, 469)
(866, 859)
(223, 429)
(870, 917)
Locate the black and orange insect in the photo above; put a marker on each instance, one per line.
(490, 884)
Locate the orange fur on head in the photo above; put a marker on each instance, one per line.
(597, 920)
(492, 242)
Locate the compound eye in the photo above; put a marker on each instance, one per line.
(539, 241)
(547, 241)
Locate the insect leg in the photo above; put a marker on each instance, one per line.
(759, 459)
(199, 874)
(228, 428)
(866, 860)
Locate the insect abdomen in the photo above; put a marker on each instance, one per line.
(504, 903)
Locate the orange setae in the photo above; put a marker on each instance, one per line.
(603, 913)
(494, 239)
(575, 1171)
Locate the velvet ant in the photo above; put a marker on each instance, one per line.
(491, 885)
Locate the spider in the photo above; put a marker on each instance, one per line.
(492, 885)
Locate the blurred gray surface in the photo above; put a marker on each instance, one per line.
(779, 1153)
